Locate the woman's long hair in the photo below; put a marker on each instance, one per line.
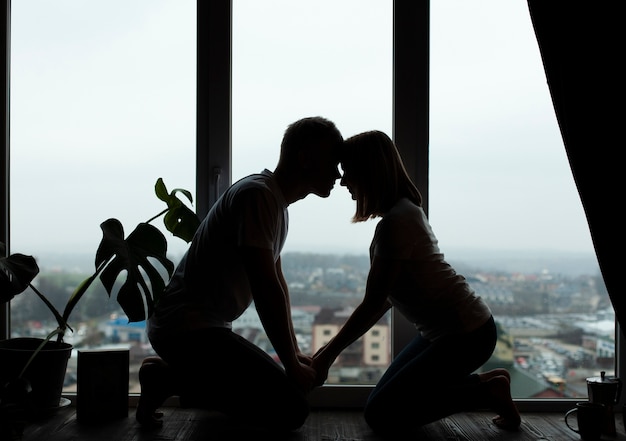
(375, 166)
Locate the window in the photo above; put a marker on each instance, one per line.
(319, 69)
(504, 204)
(62, 112)
(102, 105)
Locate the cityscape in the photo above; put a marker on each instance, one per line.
(555, 328)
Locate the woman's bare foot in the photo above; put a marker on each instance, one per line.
(499, 392)
(152, 359)
(486, 376)
(156, 386)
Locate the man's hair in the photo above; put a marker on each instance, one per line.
(375, 164)
(307, 132)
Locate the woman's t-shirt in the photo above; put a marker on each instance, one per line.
(428, 291)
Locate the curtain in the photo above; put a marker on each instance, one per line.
(582, 50)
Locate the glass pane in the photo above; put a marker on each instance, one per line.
(102, 105)
(332, 59)
(504, 204)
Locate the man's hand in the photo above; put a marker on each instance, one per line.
(304, 376)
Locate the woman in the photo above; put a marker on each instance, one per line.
(433, 376)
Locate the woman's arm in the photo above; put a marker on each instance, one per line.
(381, 277)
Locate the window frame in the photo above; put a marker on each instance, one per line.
(411, 30)
(214, 147)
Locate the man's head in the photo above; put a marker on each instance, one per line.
(309, 154)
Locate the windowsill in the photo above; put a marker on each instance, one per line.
(354, 397)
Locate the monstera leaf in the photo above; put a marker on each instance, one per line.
(136, 256)
(143, 282)
(179, 219)
(16, 273)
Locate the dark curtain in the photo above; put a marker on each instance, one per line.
(582, 49)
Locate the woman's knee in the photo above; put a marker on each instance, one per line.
(375, 415)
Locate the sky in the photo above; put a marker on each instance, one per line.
(103, 104)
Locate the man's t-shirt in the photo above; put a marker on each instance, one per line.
(210, 287)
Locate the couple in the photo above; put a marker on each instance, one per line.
(234, 260)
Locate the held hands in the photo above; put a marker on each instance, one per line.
(304, 359)
(311, 372)
(321, 365)
(322, 372)
(303, 375)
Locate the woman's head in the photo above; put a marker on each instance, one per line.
(375, 175)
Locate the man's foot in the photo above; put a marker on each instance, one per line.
(499, 395)
(156, 383)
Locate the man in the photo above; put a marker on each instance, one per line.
(234, 260)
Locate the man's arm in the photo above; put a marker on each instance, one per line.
(279, 271)
(272, 303)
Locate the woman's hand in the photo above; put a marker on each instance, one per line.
(321, 366)
(304, 359)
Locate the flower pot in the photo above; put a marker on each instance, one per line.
(46, 373)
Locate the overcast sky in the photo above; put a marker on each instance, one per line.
(102, 102)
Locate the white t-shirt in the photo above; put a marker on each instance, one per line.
(428, 291)
(210, 287)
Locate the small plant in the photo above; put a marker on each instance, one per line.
(136, 296)
(115, 254)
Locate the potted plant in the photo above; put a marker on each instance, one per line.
(26, 387)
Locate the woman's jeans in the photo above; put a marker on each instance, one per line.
(429, 380)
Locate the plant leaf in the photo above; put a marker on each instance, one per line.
(179, 220)
(144, 283)
(16, 273)
(161, 190)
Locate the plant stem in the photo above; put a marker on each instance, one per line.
(57, 315)
(158, 215)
